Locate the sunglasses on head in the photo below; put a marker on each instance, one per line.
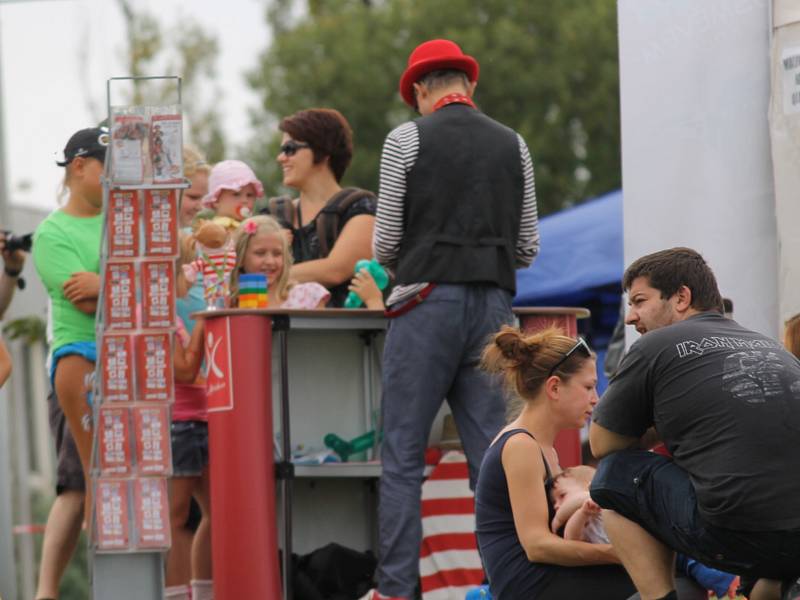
(291, 147)
(580, 346)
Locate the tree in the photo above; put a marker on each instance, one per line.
(548, 69)
(191, 53)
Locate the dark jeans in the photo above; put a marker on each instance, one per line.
(651, 490)
(432, 353)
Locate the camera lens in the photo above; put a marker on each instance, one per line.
(19, 242)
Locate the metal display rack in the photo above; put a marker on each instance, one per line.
(134, 569)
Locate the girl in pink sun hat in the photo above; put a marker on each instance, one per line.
(232, 192)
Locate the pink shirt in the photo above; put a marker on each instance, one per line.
(190, 398)
(306, 295)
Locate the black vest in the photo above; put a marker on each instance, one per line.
(463, 201)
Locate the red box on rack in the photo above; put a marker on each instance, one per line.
(116, 360)
(111, 508)
(154, 367)
(161, 223)
(123, 224)
(153, 455)
(120, 291)
(151, 510)
(158, 294)
(114, 441)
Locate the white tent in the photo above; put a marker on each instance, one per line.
(784, 117)
(695, 91)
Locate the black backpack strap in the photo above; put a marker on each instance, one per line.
(283, 209)
(329, 219)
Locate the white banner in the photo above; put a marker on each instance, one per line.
(695, 88)
(784, 118)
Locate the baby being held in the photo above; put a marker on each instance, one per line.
(575, 510)
(233, 189)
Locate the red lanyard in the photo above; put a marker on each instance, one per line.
(455, 98)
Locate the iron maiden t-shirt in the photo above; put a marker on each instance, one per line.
(726, 402)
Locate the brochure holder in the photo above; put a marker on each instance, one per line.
(136, 321)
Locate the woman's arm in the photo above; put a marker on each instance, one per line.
(353, 244)
(525, 474)
(187, 360)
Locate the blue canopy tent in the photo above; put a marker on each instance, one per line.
(580, 263)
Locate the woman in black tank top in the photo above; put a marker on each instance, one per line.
(555, 377)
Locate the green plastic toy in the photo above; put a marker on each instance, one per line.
(346, 449)
(378, 273)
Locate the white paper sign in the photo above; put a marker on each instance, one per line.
(790, 63)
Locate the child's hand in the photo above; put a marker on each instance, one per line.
(363, 285)
(82, 286)
(590, 507)
(191, 270)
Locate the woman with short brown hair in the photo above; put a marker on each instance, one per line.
(331, 227)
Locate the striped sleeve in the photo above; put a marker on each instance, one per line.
(400, 151)
(528, 237)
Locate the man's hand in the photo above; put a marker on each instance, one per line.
(82, 286)
(14, 261)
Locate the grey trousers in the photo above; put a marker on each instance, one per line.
(432, 353)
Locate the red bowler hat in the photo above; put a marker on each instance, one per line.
(432, 56)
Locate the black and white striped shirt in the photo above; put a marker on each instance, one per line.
(400, 151)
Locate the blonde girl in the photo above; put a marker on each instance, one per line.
(262, 246)
(196, 170)
(188, 565)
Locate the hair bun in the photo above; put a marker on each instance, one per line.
(511, 344)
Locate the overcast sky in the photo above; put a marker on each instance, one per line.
(44, 85)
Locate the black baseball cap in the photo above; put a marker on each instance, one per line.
(91, 142)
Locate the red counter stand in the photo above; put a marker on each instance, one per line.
(243, 499)
(568, 443)
(244, 549)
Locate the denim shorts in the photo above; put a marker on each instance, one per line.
(189, 448)
(651, 490)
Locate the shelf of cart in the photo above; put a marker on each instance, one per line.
(317, 320)
(354, 470)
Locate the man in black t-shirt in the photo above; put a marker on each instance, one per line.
(726, 403)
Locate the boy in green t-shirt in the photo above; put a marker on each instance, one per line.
(66, 252)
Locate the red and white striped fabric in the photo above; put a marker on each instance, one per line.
(449, 562)
(218, 263)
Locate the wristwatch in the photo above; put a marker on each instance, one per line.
(16, 275)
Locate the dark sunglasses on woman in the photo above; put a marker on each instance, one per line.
(291, 147)
(580, 346)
